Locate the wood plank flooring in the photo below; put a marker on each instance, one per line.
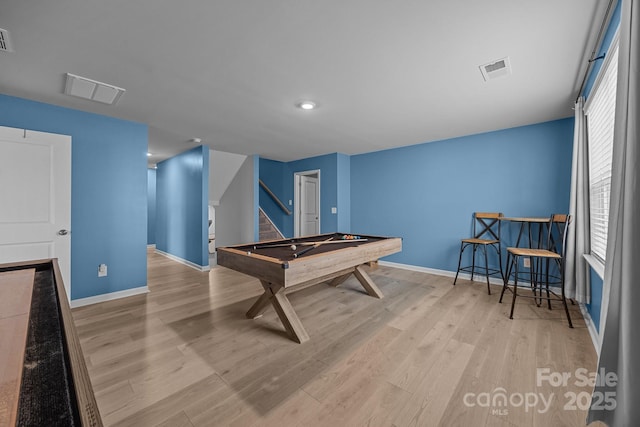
(427, 354)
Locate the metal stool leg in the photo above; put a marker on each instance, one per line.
(506, 277)
(515, 288)
(462, 247)
(473, 261)
(486, 267)
(534, 275)
(547, 283)
(500, 260)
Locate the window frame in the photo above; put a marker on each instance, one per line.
(598, 227)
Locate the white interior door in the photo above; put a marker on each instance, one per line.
(308, 204)
(35, 198)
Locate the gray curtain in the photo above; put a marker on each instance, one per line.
(620, 320)
(577, 271)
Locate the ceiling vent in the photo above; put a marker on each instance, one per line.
(5, 42)
(83, 87)
(496, 69)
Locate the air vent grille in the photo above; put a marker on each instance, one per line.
(83, 87)
(5, 43)
(495, 66)
(495, 69)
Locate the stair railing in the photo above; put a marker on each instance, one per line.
(274, 197)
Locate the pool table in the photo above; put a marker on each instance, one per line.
(289, 265)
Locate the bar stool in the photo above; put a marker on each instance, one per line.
(540, 261)
(488, 224)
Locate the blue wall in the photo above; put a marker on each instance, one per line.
(328, 166)
(335, 190)
(108, 192)
(151, 209)
(427, 193)
(596, 280)
(182, 194)
(596, 298)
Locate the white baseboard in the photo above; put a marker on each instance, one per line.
(151, 246)
(108, 297)
(446, 273)
(183, 261)
(595, 338)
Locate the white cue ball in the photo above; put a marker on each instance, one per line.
(294, 247)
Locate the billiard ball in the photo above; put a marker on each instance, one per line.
(294, 247)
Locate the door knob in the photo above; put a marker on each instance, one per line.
(63, 232)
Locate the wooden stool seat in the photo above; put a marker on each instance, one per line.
(540, 253)
(480, 241)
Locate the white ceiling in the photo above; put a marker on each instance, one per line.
(384, 73)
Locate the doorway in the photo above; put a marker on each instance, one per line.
(35, 213)
(307, 203)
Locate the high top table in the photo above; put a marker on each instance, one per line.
(527, 221)
(539, 242)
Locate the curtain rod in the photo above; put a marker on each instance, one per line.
(592, 58)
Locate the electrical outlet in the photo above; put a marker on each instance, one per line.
(102, 270)
(526, 262)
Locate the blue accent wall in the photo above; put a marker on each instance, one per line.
(182, 193)
(108, 192)
(335, 190)
(328, 166)
(427, 193)
(596, 298)
(151, 208)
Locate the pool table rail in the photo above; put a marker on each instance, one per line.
(308, 267)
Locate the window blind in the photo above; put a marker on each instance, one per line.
(600, 112)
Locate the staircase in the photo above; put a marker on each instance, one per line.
(268, 231)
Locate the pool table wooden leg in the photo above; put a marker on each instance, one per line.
(275, 295)
(340, 279)
(367, 283)
(288, 317)
(261, 304)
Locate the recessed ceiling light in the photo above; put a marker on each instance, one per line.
(149, 154)
(196, 140)
(307, 105)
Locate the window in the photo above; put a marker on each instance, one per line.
(600, 112)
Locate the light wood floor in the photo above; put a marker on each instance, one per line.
(185, 355)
